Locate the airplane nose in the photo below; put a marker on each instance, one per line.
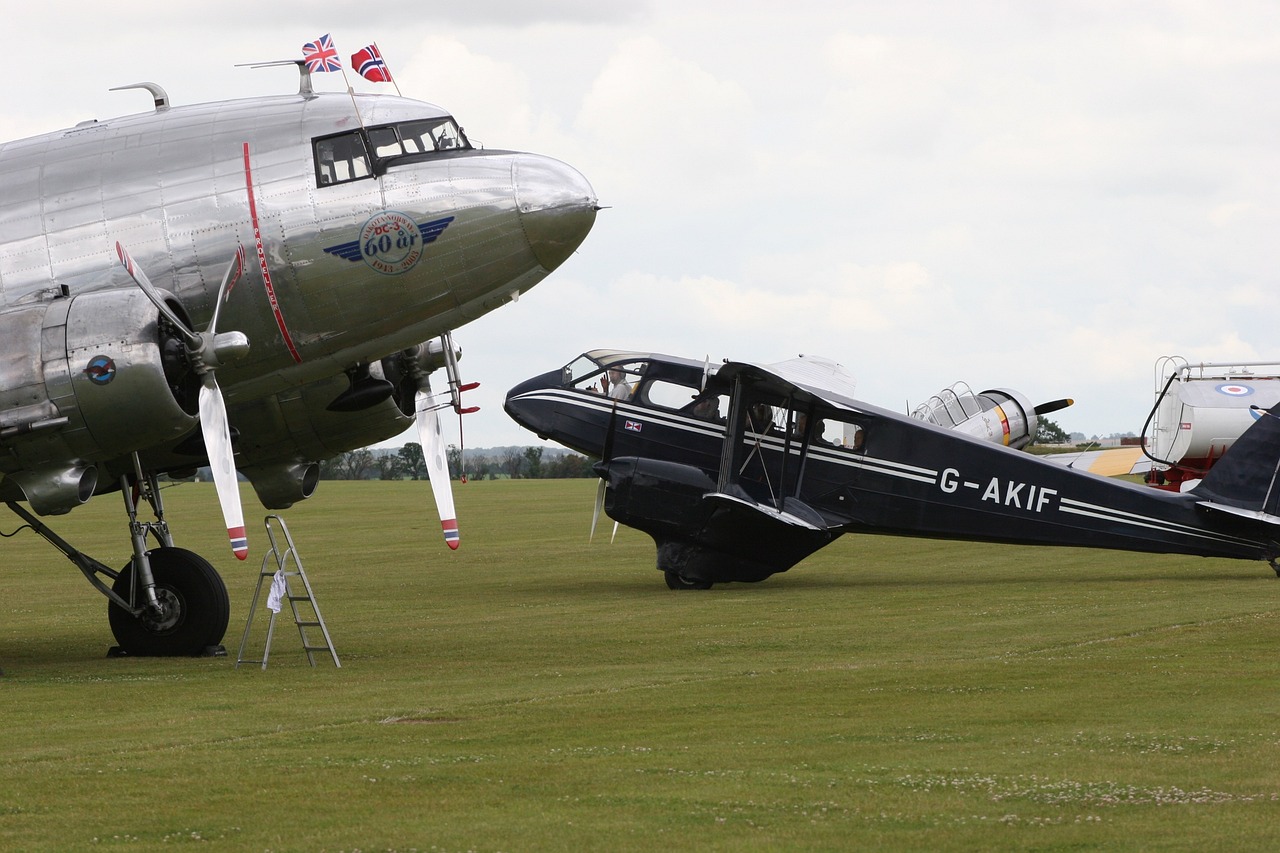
(557, 208)
(531, 406)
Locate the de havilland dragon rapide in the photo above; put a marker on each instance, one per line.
(741, 470)
(256, 285)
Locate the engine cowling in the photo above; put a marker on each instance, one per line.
(98, 376)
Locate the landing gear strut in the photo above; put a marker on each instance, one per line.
(167, 600)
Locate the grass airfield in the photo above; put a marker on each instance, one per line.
(533, 692)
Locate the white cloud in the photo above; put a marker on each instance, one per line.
(1043, 196)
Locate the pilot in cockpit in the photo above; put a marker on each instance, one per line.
(615, 385)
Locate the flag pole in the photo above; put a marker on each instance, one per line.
(387, 69)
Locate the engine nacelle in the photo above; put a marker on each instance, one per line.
(281, 485)
(399, 369)
(98, 378)
(282, 437)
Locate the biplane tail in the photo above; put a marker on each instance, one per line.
(1246, 480)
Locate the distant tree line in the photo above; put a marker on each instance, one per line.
(513, 463)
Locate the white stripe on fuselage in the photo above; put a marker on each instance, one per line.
(859, 460)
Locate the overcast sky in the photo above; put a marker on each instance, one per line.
(1046, 196)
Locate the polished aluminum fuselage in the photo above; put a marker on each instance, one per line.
(172, 187)
(181, 188)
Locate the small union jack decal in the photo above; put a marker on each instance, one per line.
(633, 426)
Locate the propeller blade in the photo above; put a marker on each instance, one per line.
(432, 441)
(1046, 408)
(217, 442)
(595, 515)
(140, 278)
(235, 269)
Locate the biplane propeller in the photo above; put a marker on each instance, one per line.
(740, 474)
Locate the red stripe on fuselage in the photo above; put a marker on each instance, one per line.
(262, 261)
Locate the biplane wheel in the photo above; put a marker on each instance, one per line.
(675, 580)
(195, 605)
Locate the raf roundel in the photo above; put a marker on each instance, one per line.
(1234, 389)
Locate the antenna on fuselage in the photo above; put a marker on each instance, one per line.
(305, 89)
(159, 95)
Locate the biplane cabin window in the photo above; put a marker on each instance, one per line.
(343, 157)
(842, 434)
(830, 432)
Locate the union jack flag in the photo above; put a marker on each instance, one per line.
(369, 62)
(320, 55)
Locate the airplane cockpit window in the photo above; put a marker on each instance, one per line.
(343, 157)
(340, 159)
(618, 380)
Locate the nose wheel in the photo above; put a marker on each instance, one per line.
(191, 608)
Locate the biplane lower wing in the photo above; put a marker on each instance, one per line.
(705, 536)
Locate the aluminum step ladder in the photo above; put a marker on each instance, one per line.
(274, 565)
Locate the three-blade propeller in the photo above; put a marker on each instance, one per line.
(206, 351)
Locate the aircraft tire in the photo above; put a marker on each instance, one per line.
(197, 596)
(675, 580)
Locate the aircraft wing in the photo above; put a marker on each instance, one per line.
(1111, 462)
(810, 375)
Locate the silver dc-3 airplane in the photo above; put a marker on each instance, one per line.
(739, 471)
(254, 284)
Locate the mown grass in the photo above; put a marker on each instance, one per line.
(533, 691)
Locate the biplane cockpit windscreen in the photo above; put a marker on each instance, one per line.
(650, 382)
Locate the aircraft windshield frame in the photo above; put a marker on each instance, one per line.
(340, 158)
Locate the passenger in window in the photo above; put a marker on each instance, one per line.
(707, 408)
(760, 418)
(819, 427)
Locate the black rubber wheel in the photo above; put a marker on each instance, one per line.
(675, 580)
(194, 603)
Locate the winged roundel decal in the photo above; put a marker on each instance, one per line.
(391, 242)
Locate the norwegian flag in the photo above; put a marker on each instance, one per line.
(369, 62)
(320, 55)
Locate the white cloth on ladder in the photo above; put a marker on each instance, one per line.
(278, 591)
